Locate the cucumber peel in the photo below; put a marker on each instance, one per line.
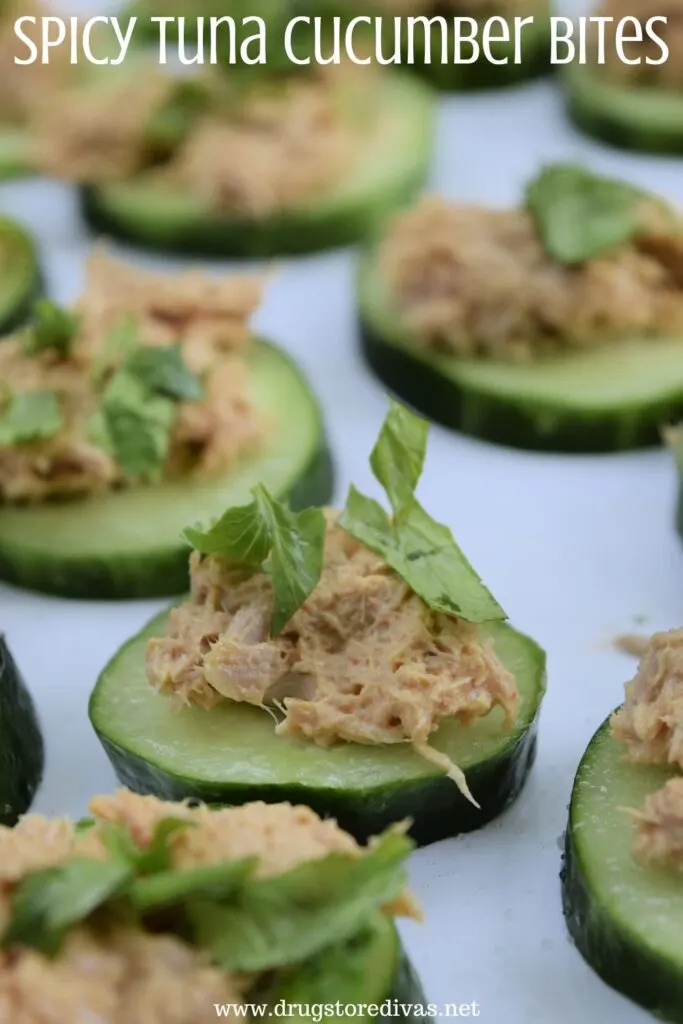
(127, 543)
(231, 754)
(22, 755)
(21, 278)
(625, 918)
(391, 169)
(612, 398)
(638, 118)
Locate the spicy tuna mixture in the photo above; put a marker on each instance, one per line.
(119, 973)
(470, 281)
(650, 726)
(277, 144)
(363, 659)
(207, 317)
(663, 75)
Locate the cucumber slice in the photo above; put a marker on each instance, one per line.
(626, 919)
(231, 754)
(391, 170)
(15, 160)
(645, 119)
(22, 754)
(126, 544)
(612, 398)
(368, 970)
(20, 276)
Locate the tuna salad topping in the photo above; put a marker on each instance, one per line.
(635, 70)
(381, 642)
(146, 378)
(650, 726)
(156, 911)
(583, 262)
(255, 150)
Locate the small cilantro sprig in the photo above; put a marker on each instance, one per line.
(30, 416)
(53, 328)
(579, 215)
(423, 552)
(139, 401)
(266, 535)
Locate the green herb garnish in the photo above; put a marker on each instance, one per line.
(163, 371)
(30, 416)
(579, 215)
(121, 342)
(52, 328)
(423, 552)
(266, 535)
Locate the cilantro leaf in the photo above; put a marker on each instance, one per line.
(137, 426)
(212, 882)
(285, 919)
(120, 343)
(46, 903)
(52, 328)
(163, 371)
(423, 552)
(174, 119)
(30, 416)
(578, 214)
(155, 857)
(267, 535)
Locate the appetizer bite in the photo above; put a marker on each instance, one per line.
(635, 102)
(22, 755)
(152, 911)
(622, 882)
(557, 325)
(21, 279)
(353, 661)
(148, 404)
(243, 164)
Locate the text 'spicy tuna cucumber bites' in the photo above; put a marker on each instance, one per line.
(151, 911)
(149, 403)
(622, 880)
(556, 326)
(21, 278)
(633, 98)
(22, 754)
(352, 661)
(253, 161)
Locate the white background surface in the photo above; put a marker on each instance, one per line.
(576, 549)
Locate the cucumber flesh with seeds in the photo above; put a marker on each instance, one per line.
(231, 754)
(20, 276)
(644, 118)
(614, 397)
(625, 918)
(391, 169)
(369, 969)
(127, 543)
(22, 755)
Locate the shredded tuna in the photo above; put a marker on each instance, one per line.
(364, 660)
(659, 834)
(119, 974)
(473, 281)
(666, 75)
(650, 722)
(208, 317)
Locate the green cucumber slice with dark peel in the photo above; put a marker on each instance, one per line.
(22, 755)
(21, 280)
(613, 398)
(369, 969)
(127, 544)
(15, 160)
(626, 919)
(391, 170)
(231, 754)
(645, 118)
